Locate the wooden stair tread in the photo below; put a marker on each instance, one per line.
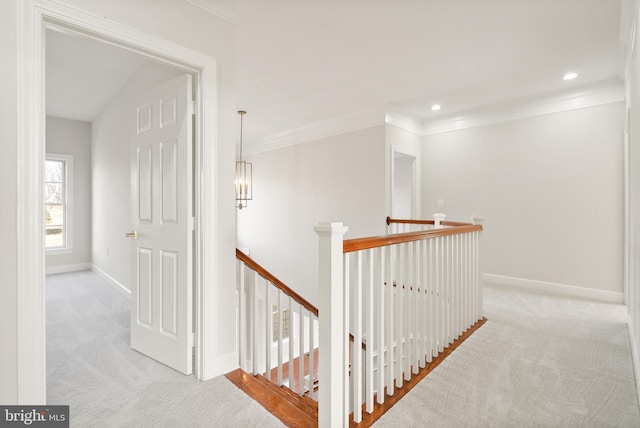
(292, 409)
(306, 402)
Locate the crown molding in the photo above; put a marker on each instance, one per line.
(403, 119)
(228, 15)
(343, 124)
(604, 92)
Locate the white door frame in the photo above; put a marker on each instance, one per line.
(34, 16)
(406, 152)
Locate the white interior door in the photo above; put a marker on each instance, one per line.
(161, 189)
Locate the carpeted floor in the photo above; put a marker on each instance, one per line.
(540, 361)
(91, 368)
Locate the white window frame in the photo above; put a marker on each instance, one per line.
(67, 248)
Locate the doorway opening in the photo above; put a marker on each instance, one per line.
(403, 184)
(92, 91)
(34, 19)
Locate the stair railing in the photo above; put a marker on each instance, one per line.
(277, 329)
(402, 298)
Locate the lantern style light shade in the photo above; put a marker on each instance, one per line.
(243, 183)
(244, 175)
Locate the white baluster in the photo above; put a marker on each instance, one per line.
(429, 295)
(407, 312)
(465, 283)
(469, 280)
(312, 353)
(280, 330)
(478, 278)
(268, 325)
(292, 337)
(457, 282)
(440, 262)
(369, 388)
(421, 302)
(449, 289)
(243, 316)
(356, 355)
(400, 316)
(390, 318)
(415, 297)
(381, 323)
(254, 330)
(301, 349)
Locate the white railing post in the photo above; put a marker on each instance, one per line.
(437, 218)
(333, 368)
(478, 268)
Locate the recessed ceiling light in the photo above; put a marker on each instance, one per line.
(435, 107)
(570, 76)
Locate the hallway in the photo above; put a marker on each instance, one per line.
(540, 360)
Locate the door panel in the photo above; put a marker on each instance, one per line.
(161, 192)
(169, 173)
(169, 293)
(145, 186)
(144, 291)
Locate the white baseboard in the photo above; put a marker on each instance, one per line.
(222, 365)
(67, 268)
(555, 288)
(635, 357)
(121, 289)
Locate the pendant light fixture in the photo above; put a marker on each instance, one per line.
(243, 174)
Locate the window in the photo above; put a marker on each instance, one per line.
(275, 322)
(58, 181)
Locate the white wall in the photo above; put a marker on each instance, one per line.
(550, 189)
(73, 137)
(111, 160)
(633, 102)
(8, 194)
(340, 178)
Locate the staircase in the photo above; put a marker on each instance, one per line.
(292, 409)
(405, 302)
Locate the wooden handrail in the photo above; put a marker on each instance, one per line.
(359, 244)
(275, 281)
(410, 221)
(407, 221)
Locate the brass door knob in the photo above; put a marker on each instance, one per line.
(132, 235)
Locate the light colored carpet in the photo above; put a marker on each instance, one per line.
(91, 368)
(540, 361)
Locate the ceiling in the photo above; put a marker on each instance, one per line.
(82, 74)
(301, 62)
(308, 61)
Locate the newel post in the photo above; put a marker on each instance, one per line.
(333, 315)
(437, 219)
(479, 220)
